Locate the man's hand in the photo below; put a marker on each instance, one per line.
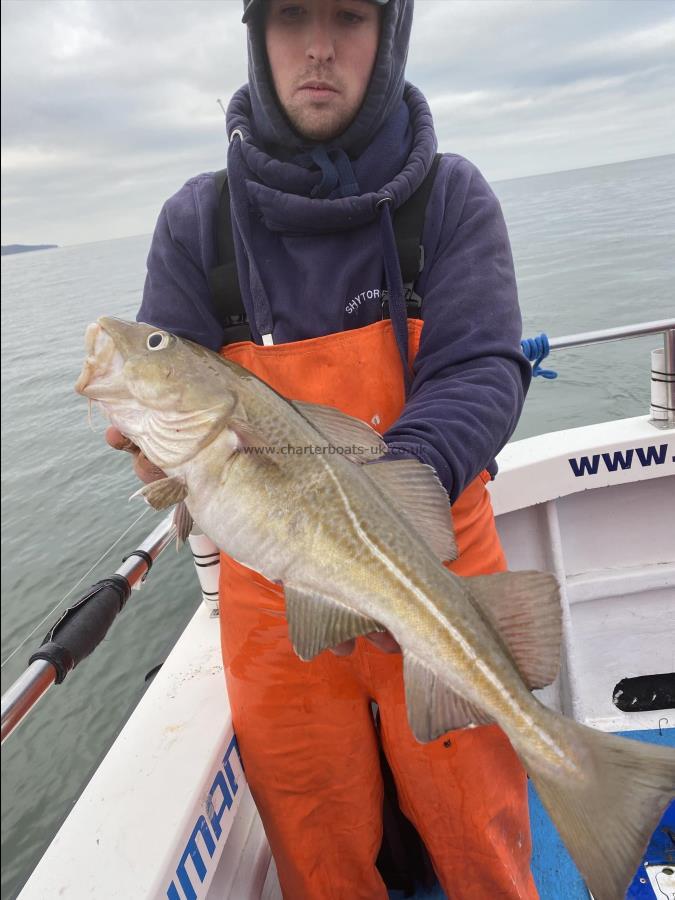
(382, 640)
(143, 468)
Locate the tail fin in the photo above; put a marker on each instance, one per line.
(607, 818)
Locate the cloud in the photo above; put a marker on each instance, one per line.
(529, 87)
(110, 105)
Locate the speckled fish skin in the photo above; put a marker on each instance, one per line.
(324, 528)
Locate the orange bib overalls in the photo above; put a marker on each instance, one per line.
(305, 729)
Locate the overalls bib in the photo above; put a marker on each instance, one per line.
(305, 729)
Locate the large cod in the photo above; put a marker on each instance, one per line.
(280, 486)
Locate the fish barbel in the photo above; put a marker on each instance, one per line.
(280, 486)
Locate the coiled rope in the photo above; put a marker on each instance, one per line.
(536, 350)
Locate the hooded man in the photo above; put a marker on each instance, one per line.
(327, 144)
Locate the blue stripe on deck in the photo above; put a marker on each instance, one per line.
(554, 872)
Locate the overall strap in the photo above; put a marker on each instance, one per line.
(408, 228)
(224, 283)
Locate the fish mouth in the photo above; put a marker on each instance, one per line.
(101, 375)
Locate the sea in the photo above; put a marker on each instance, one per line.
(593, 248)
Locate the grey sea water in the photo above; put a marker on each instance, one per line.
(594, 248)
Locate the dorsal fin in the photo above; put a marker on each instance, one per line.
(340, 430)
(525, 610)
(420, 497)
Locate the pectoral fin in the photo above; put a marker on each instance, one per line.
(164, 492)
(246, 436)
(316, 623)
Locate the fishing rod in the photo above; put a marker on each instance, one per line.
(82, 627)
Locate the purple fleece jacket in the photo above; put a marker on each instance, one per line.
(320, 262)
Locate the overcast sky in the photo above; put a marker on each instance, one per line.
(108, 106)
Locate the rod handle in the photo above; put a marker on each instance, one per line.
(83, 626)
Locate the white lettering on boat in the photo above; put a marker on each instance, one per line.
(208, 829)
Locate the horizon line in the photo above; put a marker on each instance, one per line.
(620, 162)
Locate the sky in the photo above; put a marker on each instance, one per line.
(109, 106)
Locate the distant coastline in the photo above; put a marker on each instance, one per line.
(8, 249)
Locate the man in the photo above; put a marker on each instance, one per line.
(327, 141)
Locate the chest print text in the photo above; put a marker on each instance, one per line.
(354, 304)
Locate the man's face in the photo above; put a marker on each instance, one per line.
(321, 54)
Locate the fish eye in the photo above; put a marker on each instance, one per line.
(158, 340)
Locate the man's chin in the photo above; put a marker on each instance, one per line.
(320, 126)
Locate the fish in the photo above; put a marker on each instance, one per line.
(301, 494)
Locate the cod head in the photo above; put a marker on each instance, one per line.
(169, 396)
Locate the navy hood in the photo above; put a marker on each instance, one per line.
(383, 96)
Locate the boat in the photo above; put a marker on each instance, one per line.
(168, 813)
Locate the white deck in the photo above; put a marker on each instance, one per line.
(154, 821)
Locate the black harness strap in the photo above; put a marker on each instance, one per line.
(224, 283)
(223, 279)
(408, 226)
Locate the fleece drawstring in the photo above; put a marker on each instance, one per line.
(337, 175)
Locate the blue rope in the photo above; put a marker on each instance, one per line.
(537, 349)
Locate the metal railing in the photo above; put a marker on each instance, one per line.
(624, 332)
(621, 333)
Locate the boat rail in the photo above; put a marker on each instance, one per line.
(665, 377)
(620, 333)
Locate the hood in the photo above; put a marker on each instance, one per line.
(384, 94)
(285, 192)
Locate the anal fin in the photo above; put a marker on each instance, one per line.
(316, 623)
(433, 708)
